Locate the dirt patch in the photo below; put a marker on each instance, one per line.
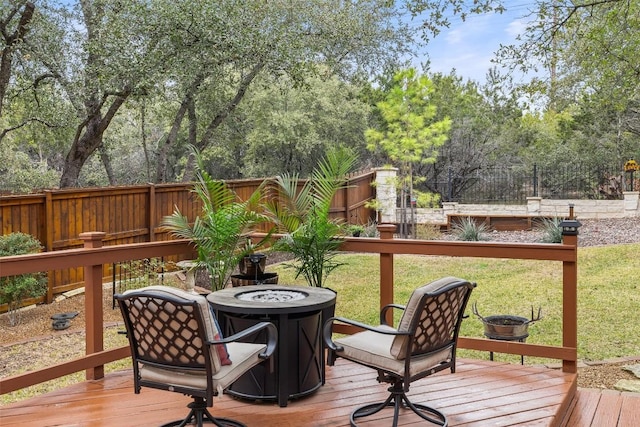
(605, 375)
(36, 322)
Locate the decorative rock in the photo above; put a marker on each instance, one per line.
(64, 316)
(628, 385)
(60, 324)
(634, 369)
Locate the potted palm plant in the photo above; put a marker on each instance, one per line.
(220, 232)
(302, 213)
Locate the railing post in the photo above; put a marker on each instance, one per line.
(94, 318)
(48, 244)
(570, 291)
(386, 271)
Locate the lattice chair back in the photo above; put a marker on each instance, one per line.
(433, 315)
(169, 328)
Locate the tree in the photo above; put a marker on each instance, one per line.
(588, 52)
(291, 128)
(483, 120)
(410, 134)
(290, 40)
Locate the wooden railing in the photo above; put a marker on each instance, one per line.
(93, 256)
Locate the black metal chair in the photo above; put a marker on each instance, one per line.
(424, 343)
(176, 346)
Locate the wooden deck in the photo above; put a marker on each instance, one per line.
(480, 393)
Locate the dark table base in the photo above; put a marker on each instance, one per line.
(297, 367)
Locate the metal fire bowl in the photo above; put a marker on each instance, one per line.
(271, 295)
(506, 326)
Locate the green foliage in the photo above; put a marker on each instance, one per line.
(469, 230)
(291, 128)
(410, 134)
(220, 232)
(552, 232)
(427, 231)
(355, 230)
(303, 213)
(14, 289)
(370, 230)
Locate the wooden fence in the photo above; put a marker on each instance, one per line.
(133, 215)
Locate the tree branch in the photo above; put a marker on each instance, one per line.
(4, 132)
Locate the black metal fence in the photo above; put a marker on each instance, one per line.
(514, 184)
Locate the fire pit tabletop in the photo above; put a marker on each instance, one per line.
(242, 299)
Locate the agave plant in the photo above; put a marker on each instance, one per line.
(302, 212)
(220, 232)
(469, 230)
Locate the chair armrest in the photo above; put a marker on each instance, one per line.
(272, 337)
(326, 332)
(383, 312)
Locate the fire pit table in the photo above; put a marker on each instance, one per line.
(299, 357)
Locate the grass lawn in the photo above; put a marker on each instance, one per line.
(608, 294)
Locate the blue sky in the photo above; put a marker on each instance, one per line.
(469, 46)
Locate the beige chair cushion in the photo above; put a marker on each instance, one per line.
(210, 324)
(398, 347)
(245, 356)
(374, 349)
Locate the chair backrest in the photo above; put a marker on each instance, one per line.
(168, 327)
(433, 316)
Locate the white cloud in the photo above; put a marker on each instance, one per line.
(514, 28)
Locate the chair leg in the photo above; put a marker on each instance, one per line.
(398, 398)
(200, 414)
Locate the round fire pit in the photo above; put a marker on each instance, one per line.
(299, 357)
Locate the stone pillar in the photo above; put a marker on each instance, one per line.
(386, 194)
(534, 205)
(631, 203)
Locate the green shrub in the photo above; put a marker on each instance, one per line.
(469, 230)
(14, 289)
(551, 230)
(370, 230)
(355, 230)
(428, 231)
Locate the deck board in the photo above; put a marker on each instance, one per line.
(480, 393)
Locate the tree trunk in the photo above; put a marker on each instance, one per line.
(10, 42)
(193, 134)
(106, 162)
(222, 115)
(169, 141)
(88, 139)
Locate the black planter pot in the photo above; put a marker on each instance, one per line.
(251, 279)
(249, 264)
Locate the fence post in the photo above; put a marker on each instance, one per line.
(450, 185)
(48, 243)
(152, 213)
(570, 291)
(535, 180)
(386, 271)
(94, 317)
